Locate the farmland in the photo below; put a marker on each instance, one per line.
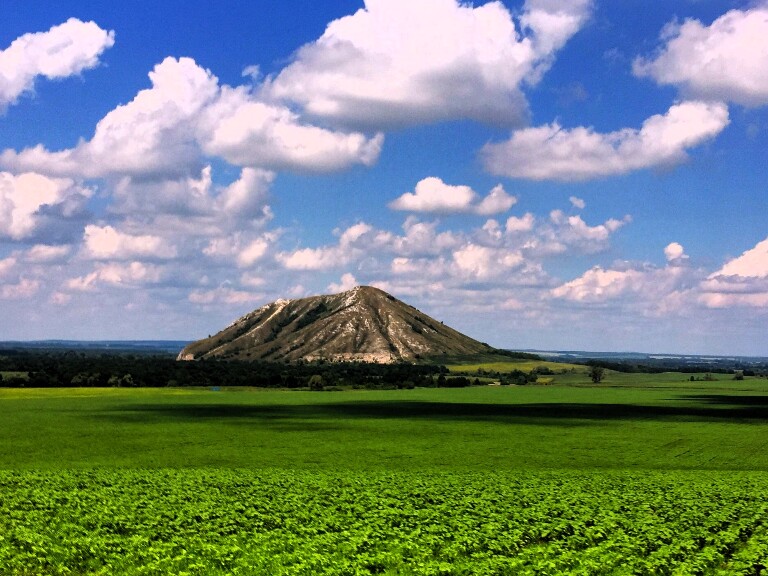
(643, 474)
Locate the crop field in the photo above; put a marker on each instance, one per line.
(666, 476)
(507, 366)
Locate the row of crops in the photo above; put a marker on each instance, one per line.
(305, 522)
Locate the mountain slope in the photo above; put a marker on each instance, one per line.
(364, 324)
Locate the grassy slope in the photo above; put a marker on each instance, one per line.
(667, 423)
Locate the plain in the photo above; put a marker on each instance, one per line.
(642, 474)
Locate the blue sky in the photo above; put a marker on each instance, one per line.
(538, 174)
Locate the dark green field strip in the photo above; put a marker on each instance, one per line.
(485, 428)
(306, 523)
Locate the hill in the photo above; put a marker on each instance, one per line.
(364, 324)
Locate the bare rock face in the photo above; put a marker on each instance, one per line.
(363, 324)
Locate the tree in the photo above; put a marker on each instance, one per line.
(596, 373)
(316, 383)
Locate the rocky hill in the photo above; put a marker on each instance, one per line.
(365, 324)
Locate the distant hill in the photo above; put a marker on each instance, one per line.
(139, 347)
(364, 324)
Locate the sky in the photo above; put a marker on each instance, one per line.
(538, 174)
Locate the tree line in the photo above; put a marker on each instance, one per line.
(83, 369)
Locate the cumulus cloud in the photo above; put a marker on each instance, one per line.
(650, 290)
(24, 288)
(6, 265)
(726, 61)
(165, 131)
(42, 253)
(599, 284)
(195, 205)
(564, 232)
(552, 24)
(350, 246)
(551, 152)
(347, 282)
(483, 262)
(253, 252)
(107, 243)
(398, 62)
(119, 274)
(577, 202)
(751, 264)
(675, 252)
(154, 134)
(433, 195)
(224, 295)
(517, 224)
(251, 133)
(31, 203)
(742, 281)
(64, 50)
(419, 239)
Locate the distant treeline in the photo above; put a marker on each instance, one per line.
(22, 368)
(724, 366)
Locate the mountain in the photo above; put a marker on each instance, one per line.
(365, 324)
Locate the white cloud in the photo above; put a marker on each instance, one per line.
(552, 24)
(347, 282)
(482, 262)
(42, 253)
(598, 284)
(194, 205)
(6, 265)
(496, 202)
(726, 61)
(224, 295)
(516, 224)
(551, 152)
(675, 252)
(433, 195)
(399, 62)
(741, 282)
(165, 130)
(129, 274)
(573, 232)
(421, 238)
(348, 248)
(647, 289)
(25, 288)
(250, 133)
(246, 197)
(251, 280)
(751, 264)
(107, 243)
(64, 50)
(29, 203)
(577, 202)
(642, 290)
(154, 134)
(253, 252)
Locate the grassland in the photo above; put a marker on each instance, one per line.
(668, 423)
(510, 365)
(643, 474)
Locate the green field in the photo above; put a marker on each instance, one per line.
(508, 366)
(643, 474)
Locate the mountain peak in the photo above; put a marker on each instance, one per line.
(363, 324)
